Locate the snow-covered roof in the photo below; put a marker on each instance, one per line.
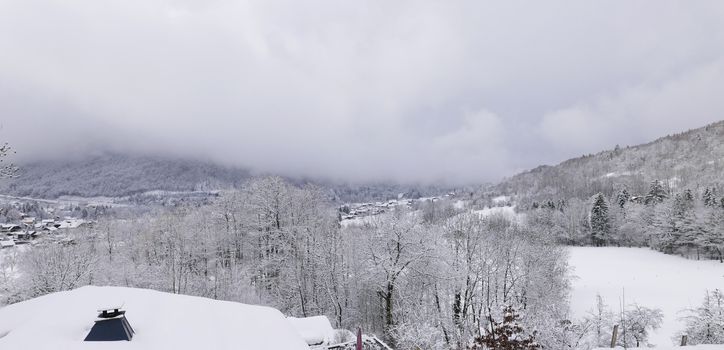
(314, 330)
(160, 320)
(7, 243)
(71, 223)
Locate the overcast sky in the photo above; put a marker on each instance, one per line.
(357, 90)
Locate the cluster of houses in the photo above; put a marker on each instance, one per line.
(30, 228)
(358, 210)
(355, 210)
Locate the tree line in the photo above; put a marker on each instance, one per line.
(685, 222)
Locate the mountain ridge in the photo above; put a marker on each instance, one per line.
(690, 159)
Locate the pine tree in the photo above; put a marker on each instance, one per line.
(665, 227)
(656, 194)
(622, 198)
(688, 200)
(685, 228)
(706, 196)
(600, 221)
(709, 197)
(711, 232)
(507, 335)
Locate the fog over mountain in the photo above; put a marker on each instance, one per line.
(406, 91)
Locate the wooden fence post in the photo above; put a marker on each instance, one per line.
(614, 336)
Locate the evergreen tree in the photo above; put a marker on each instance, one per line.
(622, 198)
(656, 194)
(688, 202)
(665, 227)
(685, 227)
(709, 197)
(711, 233)
(600, 221)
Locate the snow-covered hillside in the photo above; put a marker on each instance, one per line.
(649, 278)
(160, 320)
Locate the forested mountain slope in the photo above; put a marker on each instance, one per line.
(691, 159)
(118, 175)
(666, 194)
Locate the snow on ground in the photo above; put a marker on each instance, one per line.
(358, 221)
(506, 211)
(618, 174)
(501, 199)
(650, 278)
(676, 347)
(314, 330)
(161, 321)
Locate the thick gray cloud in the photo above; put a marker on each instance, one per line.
(403, 90)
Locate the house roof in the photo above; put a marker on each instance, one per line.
(160, 320)
(314, 330)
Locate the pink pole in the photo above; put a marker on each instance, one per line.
(359, 339)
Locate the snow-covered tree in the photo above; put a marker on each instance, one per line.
(705, 324)
(600, 221)
(657, 193)
(622, 198)
(709, 197)
(637, 325)
(397, 244)
(55, 268)
(6, 169)
(601, 321)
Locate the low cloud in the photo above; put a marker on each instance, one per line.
(407, 91)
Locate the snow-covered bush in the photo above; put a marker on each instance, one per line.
(637, 324)
(418, 336)
(705, 324)
(508, 334)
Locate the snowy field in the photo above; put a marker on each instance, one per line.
(650, 279)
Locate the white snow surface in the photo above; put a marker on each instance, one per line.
(676, 347)
(504, 211)
(501, 199)
(651, 279)
(314, 330)
(161, 321)
(358, 221)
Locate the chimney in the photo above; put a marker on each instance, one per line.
(111, 325)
